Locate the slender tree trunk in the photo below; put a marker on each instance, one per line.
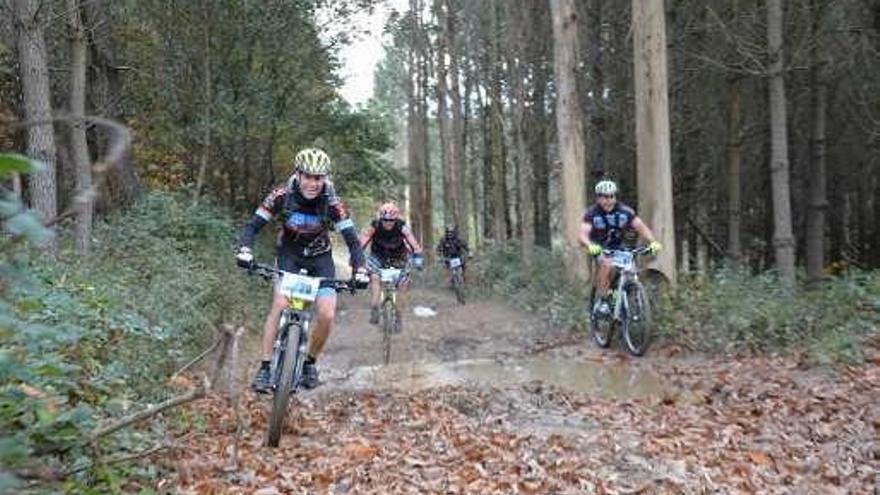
(818, 199)
(29, 18)
(541, 169)
(596, 106)
(79, 144)
(459, 205)
(443, 122)
(414, 160)
(425, 159)
(204, 158)
(783, 241)
(734, 171)
(105, 94)
(652, 129)
(569, 122)
(525, 179)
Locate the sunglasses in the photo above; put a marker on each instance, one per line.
(313, 177)
(608, 196)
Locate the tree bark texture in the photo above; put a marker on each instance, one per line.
(29, 18)
(734, 170)
(652, 129)
(569, 123)
(783, 240)
(79, 144)
(818, 199)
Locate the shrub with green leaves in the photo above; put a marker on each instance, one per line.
(86, 339)
(735, 310)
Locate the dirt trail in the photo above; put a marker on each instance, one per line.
(486, 399)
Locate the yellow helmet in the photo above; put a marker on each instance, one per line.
(312, 161)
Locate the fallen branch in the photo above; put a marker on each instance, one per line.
(102, 431)
(196, 359)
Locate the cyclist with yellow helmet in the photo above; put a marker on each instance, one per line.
(306, 207)
(602, 228)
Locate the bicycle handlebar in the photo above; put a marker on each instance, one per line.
(268, 272)
(639, 251)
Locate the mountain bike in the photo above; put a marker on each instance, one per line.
(630, 307)
(292, 339)
(456, 277)
(391, 279)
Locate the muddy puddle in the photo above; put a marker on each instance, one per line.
(607, 380)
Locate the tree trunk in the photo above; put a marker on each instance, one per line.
(818, 199)
(105, 92)
(783, 241)
(596, 106)
(525, 180)
(444, 123)
(734, 171)
(79, 144)
(652, 129)
(206, 124)
(414, 160)
(425, 163)
(541, 168)
(459, 204)
(570, 130)
(29, 17)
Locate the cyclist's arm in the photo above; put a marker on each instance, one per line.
(414, 245)
(263, 215)
(586, 228)
(367, 236)
(345, 226)
(639, 226)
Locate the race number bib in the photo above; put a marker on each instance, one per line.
(299, 287)
(454, 262)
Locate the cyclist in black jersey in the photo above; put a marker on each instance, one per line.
(603, 227)
(307, 207)
(392, 243)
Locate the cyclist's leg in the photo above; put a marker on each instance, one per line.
(374, 264)
(325, 305)
(603, 277)
(403, 287)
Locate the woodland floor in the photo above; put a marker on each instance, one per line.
(486, 399)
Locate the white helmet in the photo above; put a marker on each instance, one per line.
(606, 187)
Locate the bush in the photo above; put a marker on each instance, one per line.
(734, 310)
(542, 289)
(85, 339)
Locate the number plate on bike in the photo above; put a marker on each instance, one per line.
(454, 262)
(622, 259)
(389, 274)
(299, 287)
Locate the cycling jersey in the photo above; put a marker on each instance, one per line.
(390, 243)
(452, 247)
(304, 223)
(608, 226)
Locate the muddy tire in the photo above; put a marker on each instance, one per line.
(602, 329)
(291, 368)
(637, 323)
(388, 311)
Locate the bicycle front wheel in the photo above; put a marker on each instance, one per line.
(290, 373)
(637, 324)
(601, 328)
(458, 286)
(388, 322)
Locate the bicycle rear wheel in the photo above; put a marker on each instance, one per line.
(602, 329)
(388, 311)
(290, 373)
(637, 323)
